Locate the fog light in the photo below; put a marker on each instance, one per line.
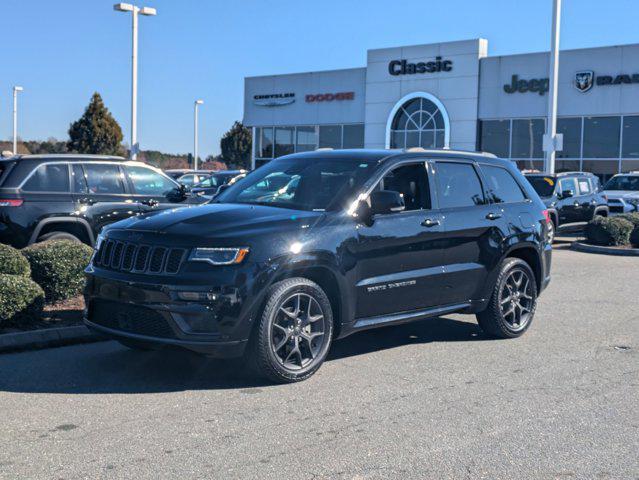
(197, 296)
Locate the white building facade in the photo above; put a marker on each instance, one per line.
(453, 95)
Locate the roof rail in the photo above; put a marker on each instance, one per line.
(415, 149)
(323, 149)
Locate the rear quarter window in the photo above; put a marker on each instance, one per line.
(502, 187)
(49, 178)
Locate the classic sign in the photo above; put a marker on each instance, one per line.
(402, 67)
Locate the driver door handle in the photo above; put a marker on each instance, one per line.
(493, 216)
(88, 201)
(151, 202)
(429, 222)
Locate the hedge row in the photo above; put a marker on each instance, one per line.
(48, 271)
(621, 230)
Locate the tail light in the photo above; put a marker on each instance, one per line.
(10, 202)
(547, 215)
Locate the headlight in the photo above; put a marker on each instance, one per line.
(219, 256)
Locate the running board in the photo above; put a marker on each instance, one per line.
(404, 317)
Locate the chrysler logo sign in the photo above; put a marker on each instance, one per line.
(274, 99)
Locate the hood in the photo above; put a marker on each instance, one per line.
(621, 194)
(218, 220)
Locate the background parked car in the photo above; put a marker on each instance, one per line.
(622, 192)
(44, 197)
(572, 198)
(210, 186)
(193, 178)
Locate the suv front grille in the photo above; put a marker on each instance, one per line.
(124, 256)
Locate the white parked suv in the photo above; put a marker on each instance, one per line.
(623, 193)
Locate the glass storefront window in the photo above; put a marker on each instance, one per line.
(601, 137)
(330, 136)
(495, 137)
(527, 138)
(354, 136)
(629, 165)
(567, 166)
(284, 144)
(571, 129)
(266, 143)
(306, 139)
(630, 137)
(604, 169)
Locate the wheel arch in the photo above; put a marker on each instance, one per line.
(69, 225)
(328, 280)
(529, 254)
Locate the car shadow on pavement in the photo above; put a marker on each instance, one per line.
(108, 367)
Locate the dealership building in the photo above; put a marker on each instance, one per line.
(454, 95)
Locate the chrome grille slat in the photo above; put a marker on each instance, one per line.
(144, 259)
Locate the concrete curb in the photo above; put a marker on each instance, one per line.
(584, 247)
(47, 338)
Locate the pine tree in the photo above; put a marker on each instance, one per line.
(236, 146)
(96, 131)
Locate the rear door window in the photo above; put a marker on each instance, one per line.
(584, 186)
(49, 178)
(104, 179)
(502, 187)
(458, 185)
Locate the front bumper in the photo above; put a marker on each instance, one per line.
(217, 325)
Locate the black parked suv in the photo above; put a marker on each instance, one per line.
(44, 197)
(355, 239)
(572, 198)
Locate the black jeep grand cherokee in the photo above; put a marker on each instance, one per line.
(315, 246)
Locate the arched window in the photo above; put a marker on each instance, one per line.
(419, 122)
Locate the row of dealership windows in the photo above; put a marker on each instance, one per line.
(602, 145)
(273, 142)
(584, 137)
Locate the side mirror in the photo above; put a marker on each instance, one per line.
(178, 194)
(567, 194)
(386, 201)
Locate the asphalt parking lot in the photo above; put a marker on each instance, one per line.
(434, 399)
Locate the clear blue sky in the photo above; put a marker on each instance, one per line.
(63, 51)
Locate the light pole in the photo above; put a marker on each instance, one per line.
(195, 105)
(148, 11)
(552, 141)
(16, 89)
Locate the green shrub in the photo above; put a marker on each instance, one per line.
(612, 231)
(20, 298)
(634, 219)
(12, 262)
(58, 267)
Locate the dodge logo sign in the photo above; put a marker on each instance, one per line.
(584, 80)
(329, 97)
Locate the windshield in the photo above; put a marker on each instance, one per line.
(212, 181)
(623, 182)
(301, 183)
(544, 186)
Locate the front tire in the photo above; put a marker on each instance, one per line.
(59, 236)
(513, 302)
(294, 332)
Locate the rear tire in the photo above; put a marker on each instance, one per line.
(513, 302)
(59, 236)
(552, 229)
(294, 332)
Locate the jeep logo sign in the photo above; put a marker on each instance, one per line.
(535, 85)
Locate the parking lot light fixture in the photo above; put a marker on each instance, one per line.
(146, 11)
(16, 89)
(195, 139)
